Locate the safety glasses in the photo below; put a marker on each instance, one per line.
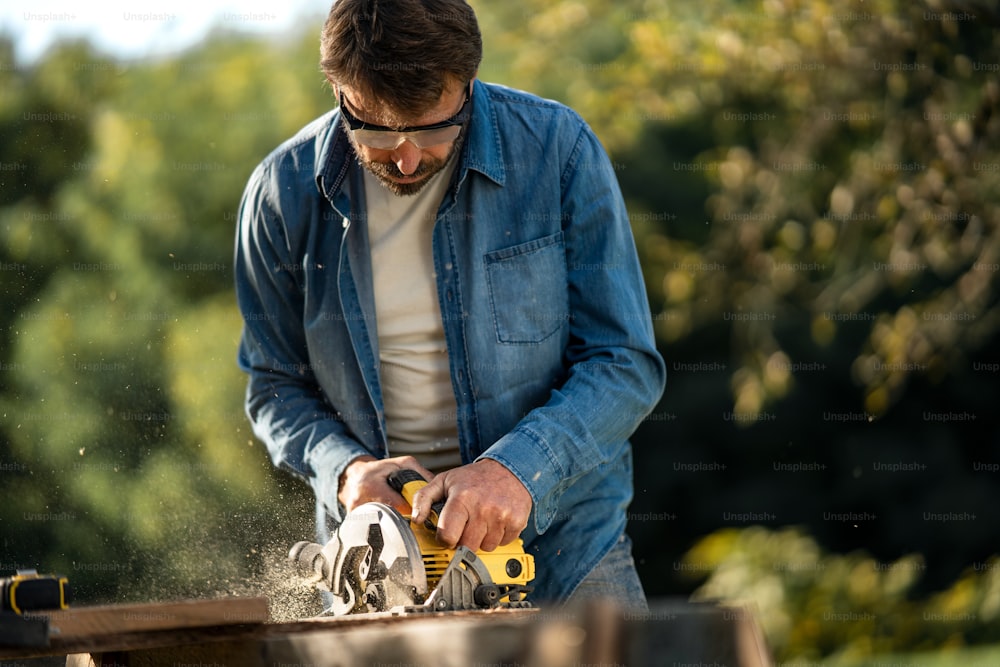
(421, 136)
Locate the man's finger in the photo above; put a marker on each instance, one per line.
(425, 497)
(453, 526)
(473, 536)
(493, 538)
(510, 534)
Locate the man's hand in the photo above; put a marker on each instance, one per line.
(364, 480)
(485, 505)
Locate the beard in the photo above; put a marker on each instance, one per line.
(387, 172)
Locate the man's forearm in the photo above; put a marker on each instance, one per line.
(302, 435)
(580, 428)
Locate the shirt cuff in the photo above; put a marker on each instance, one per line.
(328, 459)
(532, 461)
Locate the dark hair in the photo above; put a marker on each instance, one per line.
(401, 53)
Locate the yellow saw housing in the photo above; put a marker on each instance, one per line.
(507, 564)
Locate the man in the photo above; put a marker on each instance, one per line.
(440, 275)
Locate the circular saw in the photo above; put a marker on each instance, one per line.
(379, 560)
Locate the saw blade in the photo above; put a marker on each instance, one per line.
(379, 562)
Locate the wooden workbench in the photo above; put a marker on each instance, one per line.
(236, 632)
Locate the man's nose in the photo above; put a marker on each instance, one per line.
(407, 157)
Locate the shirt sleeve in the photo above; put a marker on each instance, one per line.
(284, 403)
(615, 374)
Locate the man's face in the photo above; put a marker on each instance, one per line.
(405, 169)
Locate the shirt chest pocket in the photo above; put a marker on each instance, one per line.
(528, 290)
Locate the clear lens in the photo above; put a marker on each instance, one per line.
(420, 138)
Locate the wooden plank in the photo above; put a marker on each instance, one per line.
(672, 632)
(234, 647)
(111, 620)
(695, 633)
(750, 642)
(80, 629)
(450, 641)
(168, 632)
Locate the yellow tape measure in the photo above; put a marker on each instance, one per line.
(29, 591)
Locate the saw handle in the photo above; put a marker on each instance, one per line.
(407, 482)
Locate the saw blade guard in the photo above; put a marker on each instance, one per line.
(378, 562)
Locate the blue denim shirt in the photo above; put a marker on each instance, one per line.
(545, 317)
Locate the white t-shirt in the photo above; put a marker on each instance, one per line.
(420, 408)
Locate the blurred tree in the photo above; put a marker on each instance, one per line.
(121, 412)
(813, 188)
(814, 158)
(841, 608)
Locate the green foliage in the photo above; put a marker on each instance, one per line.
(841, 608)
(811, 183)
(834, 160)
(121, 406)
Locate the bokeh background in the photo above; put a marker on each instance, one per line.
(814, 191)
